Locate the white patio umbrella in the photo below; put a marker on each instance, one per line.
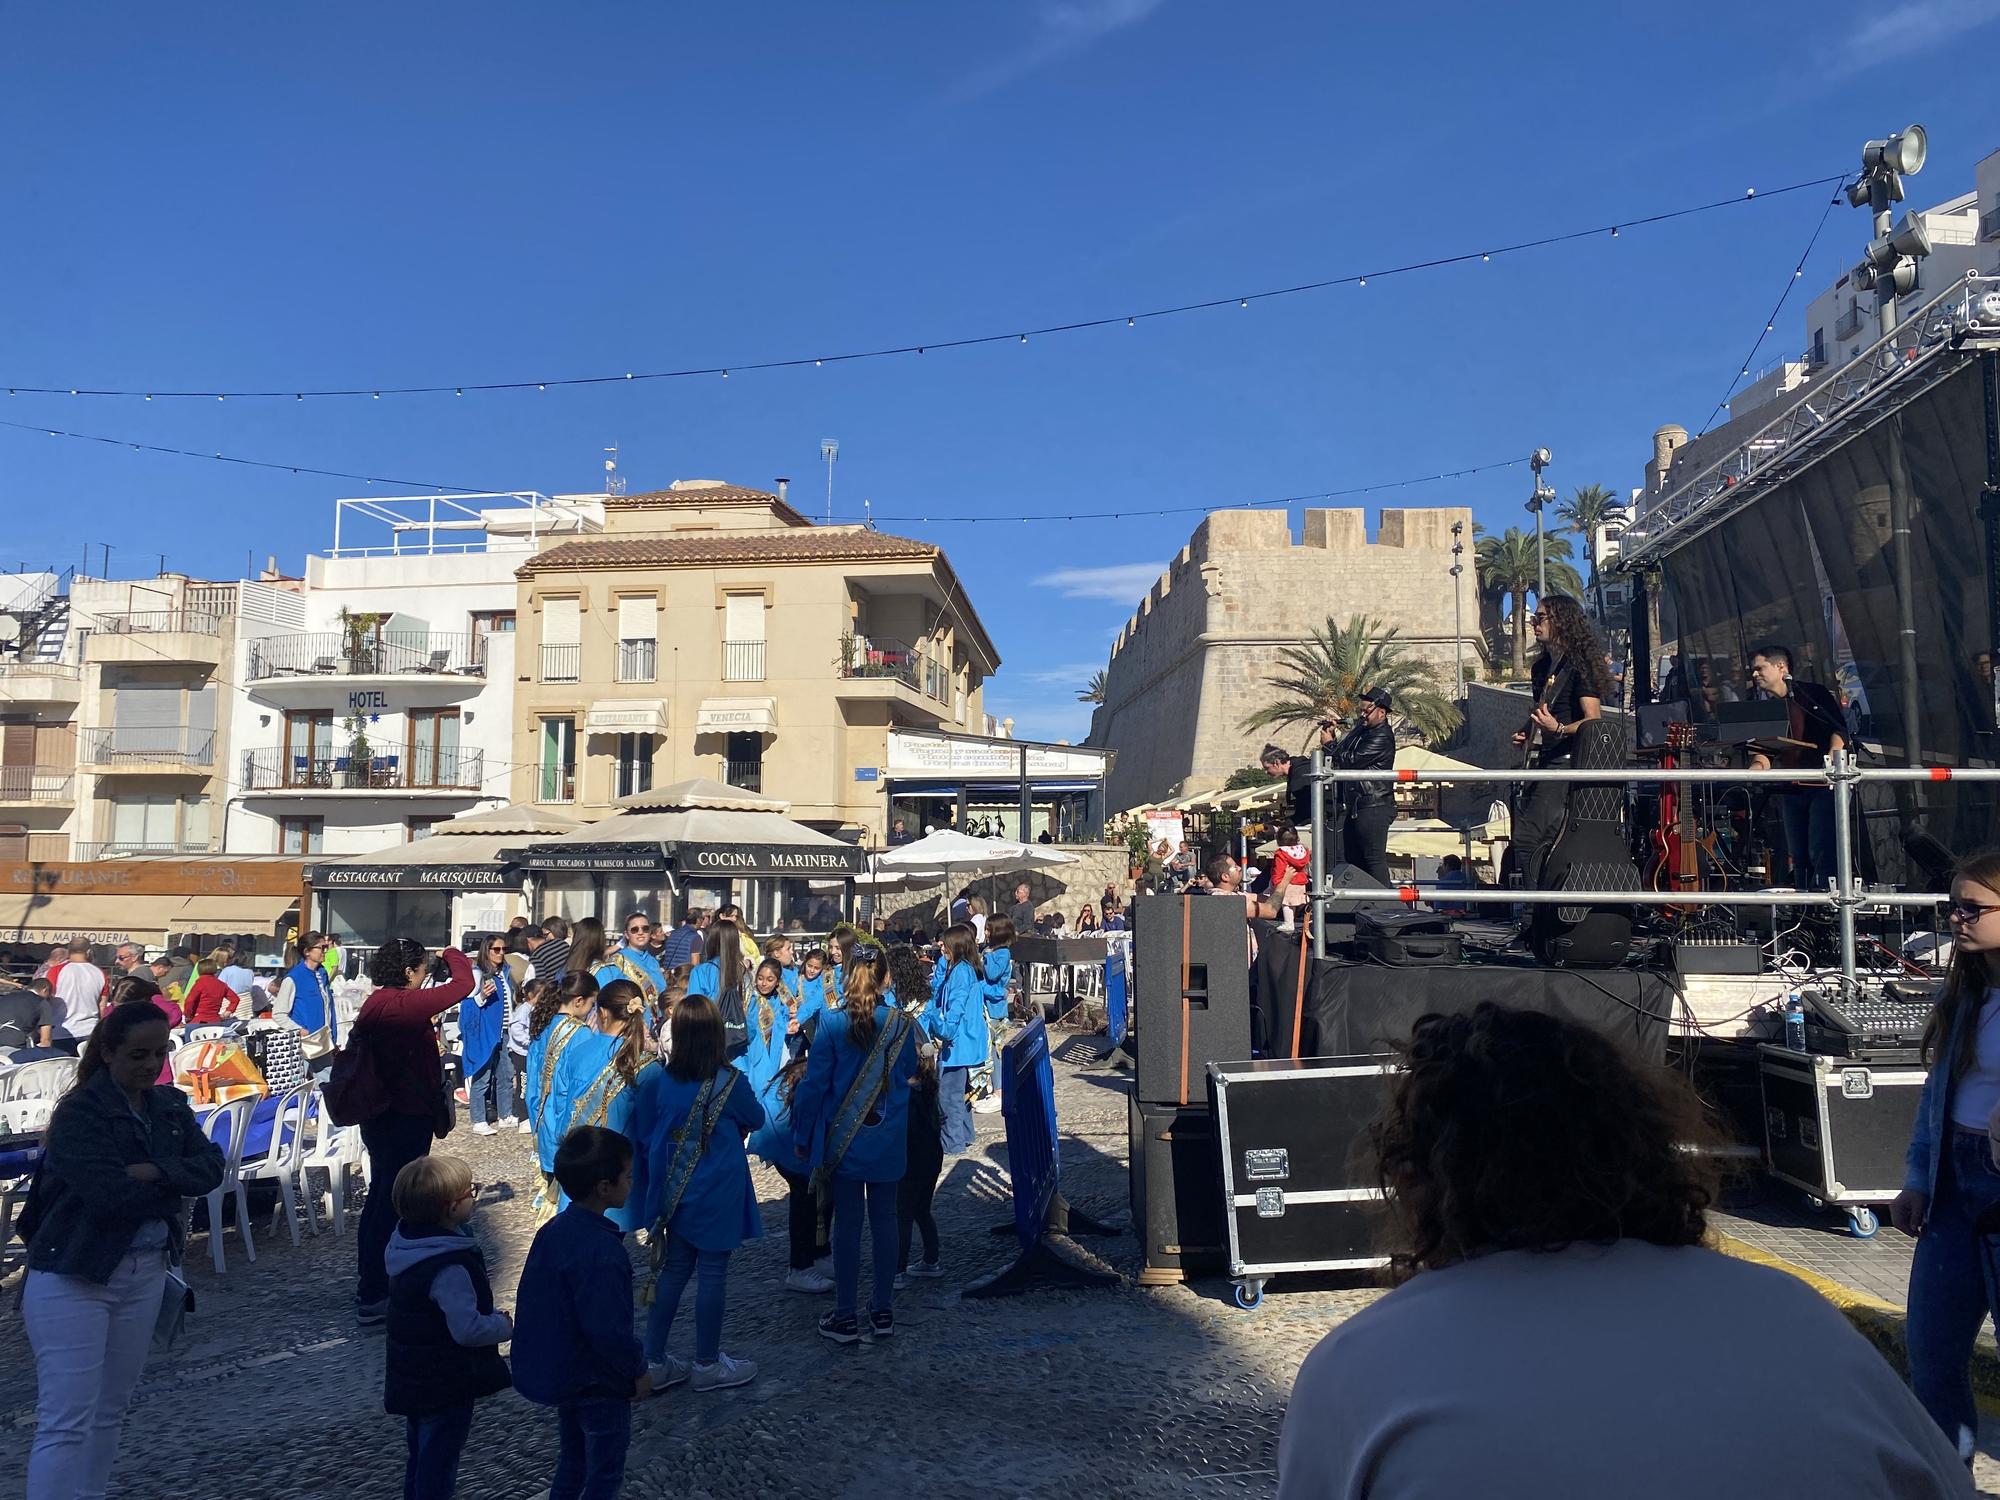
(953, 853)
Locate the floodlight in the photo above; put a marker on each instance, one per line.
(1903, 153)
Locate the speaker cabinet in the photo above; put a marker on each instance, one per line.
(1184, 1024)
(1177, 1196)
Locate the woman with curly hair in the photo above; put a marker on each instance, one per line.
(1570, 686)
(1559, 1316)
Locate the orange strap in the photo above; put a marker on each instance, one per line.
(1299, 998)
(1187, 924)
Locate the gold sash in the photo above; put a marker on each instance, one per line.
(549, 1060)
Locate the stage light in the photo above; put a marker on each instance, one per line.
(1903, 152)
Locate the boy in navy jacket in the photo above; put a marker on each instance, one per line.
(574, 1348)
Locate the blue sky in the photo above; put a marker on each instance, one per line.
(246, 196)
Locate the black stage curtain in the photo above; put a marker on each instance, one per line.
(1356, 1009)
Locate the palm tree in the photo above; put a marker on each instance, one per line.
(1584, 512)
(1325, 676)
(1508, 565)
(1094, 691)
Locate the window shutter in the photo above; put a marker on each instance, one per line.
(743, 618)
(561, 625)
(638, 620)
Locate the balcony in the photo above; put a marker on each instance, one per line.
(1848, 323)
(742, 661)
(36, 786)
(324, 669)
(151, 636)
(32, 682)
(273, 772)
(149, 750)
(1989, 224)
(85, 853)
(562, 662)
(638, 661)
(880, 669)
(746, 774)
(556, 784)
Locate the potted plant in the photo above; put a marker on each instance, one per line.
(358, 630)
(360, 754)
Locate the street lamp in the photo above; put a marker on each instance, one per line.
(1457, 608)
(1538, 461)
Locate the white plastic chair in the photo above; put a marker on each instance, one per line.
(48, 1079)
(25, 1116)
(211, 1031)
(334, 1150)
(227, 1125)
(283, 1157)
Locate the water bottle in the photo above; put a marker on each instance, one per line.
(1795, 1022)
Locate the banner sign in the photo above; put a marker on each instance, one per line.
(768, 859)
(912, 753)
(586, 861)
(486, 877)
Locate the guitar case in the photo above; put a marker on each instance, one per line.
(1591, 853)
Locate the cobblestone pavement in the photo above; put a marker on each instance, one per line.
(1122, 1393)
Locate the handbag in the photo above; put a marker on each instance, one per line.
(176, 1302)
(353, 1091)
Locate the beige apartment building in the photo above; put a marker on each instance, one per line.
(712, 630)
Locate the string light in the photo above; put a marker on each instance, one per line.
(1771, 323)
(977, 340)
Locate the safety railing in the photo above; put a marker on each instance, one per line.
(1843, 896)
(332, 653)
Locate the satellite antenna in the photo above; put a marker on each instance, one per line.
(614, 482)
(829, 449)
(10, 629)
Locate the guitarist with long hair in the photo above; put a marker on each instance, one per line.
(1569, 688)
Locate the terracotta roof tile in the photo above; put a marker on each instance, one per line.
(695, 496)
(698, 549)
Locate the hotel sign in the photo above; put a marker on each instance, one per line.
(769, 859)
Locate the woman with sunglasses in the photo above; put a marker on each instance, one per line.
(634, 960)
(305, 997)
(1951, 1182)
(482, 1041)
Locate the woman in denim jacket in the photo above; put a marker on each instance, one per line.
(107, 1217)
(1951, 1182)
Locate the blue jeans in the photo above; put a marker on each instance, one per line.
(848, 1197)
(680, 1265)
(590, 1464)
(435, 1444)
(496, 1079)
(957, 1112)
(1952, 1283)
(1808, 818)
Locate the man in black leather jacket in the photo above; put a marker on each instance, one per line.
(1370, 805)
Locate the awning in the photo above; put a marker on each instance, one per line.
(737, 716)
(627, 716)
(100, 918)
(232, 913)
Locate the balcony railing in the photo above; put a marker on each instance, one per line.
(562, 663)
(423, 770)
(334, 653)
(151, 744)
(880, 656)
(637, 662)
(1989, 224)
(30, 671)
(1848, 323)
(36, 784)
(87, 852)
(556, 784)
(742, 661)
(157, 621)
(747, 774)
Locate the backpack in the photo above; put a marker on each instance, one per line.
(353, 1091)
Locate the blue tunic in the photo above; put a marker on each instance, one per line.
(761, 1067)
(999, 969)
(482, 1019)
(879, 1150)
(718, 1211)
(549, 1126)
(825, 992)
(643, 961)
(956, 1016)
(588, 1090)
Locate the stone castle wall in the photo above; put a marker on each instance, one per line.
(1193, 660)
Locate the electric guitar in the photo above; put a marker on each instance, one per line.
(1682, 853)
(1531, 742)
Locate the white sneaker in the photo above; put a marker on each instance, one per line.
(927, 1270)
(824, 1267)
(723, 1374)
(902, 1281)
(482, 1128)
(506, 1122)
(527, 1127)
(807, 1281)
(990, 1105)
(669, 1371)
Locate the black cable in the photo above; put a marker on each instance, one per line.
(1020, 335)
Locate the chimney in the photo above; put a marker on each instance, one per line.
(783, 486)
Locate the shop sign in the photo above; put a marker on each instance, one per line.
(406, 877)
(364, 702)
(768, 859)
(595, 863)
(933, 755)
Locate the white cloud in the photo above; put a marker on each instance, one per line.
(1074, 673)
(1126, 583)
(1905, 31)
(1063, 28)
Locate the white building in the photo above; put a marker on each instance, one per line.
(381, 701)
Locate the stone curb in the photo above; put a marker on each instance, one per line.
(1881, 1323)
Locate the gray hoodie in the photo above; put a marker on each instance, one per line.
(451, 1288)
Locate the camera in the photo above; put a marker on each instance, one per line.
(440, 970)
